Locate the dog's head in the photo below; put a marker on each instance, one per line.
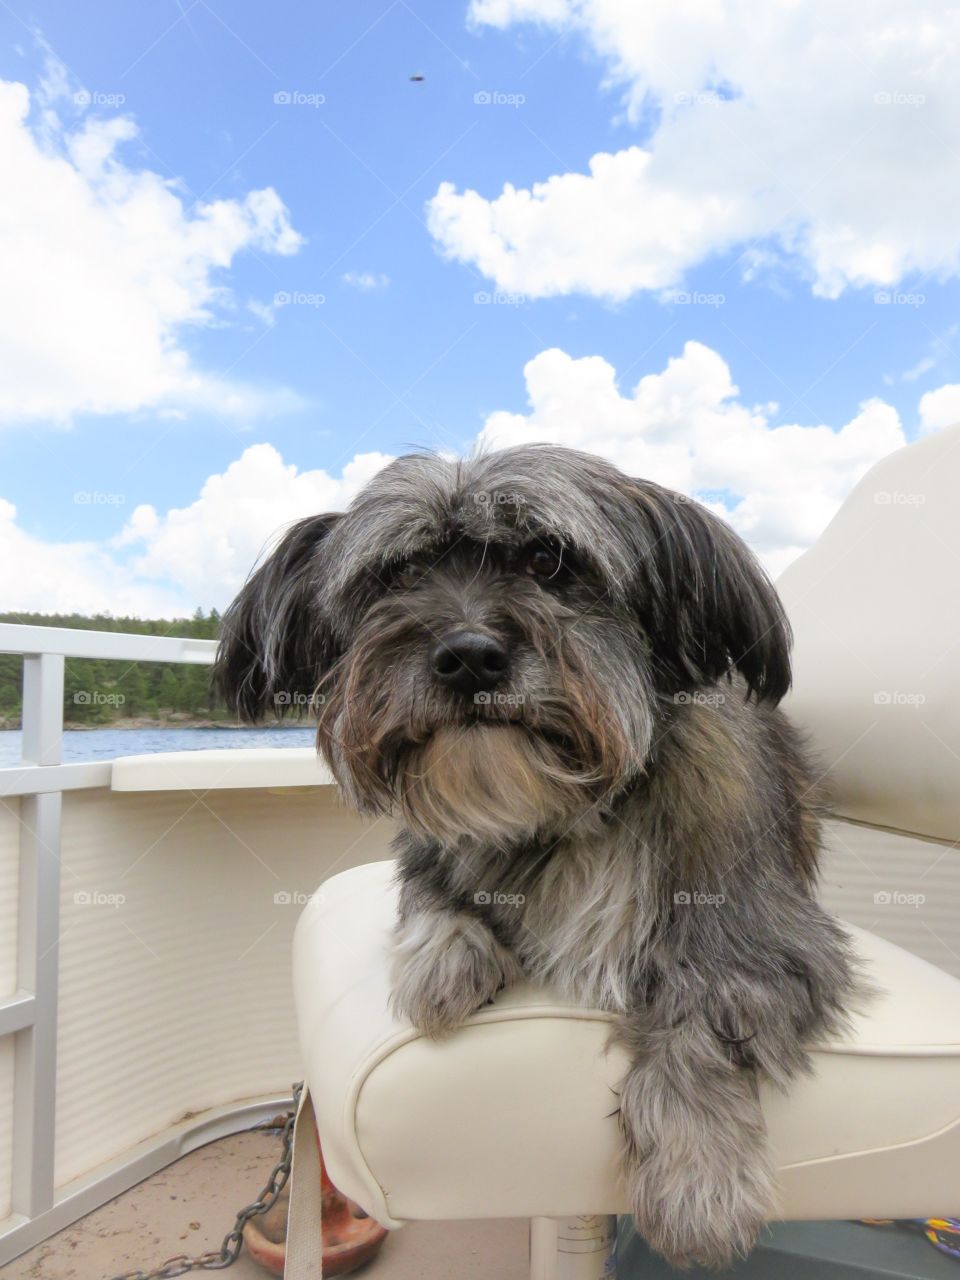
(489, 644)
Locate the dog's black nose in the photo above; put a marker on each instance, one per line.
(469, 662)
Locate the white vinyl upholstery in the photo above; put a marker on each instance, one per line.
(511, 1116)
(875, 611)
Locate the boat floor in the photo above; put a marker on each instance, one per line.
(190, 1206)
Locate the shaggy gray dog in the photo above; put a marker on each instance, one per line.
(564, 682)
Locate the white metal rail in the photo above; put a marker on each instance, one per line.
(30, 1014)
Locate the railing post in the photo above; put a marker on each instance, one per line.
(38, 942)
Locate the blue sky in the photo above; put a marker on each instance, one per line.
(412, 359)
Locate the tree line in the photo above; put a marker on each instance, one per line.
(98, 692)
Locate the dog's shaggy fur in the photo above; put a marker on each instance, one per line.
(619, 809)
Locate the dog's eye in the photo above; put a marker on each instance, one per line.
(407, 575)
(543, 562)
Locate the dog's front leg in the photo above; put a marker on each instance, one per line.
(696, 1164)
(445, 964)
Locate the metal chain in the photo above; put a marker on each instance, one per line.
(229, 1251)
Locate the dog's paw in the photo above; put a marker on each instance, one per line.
(706, 1215)
(696, 1165)
(444, 967)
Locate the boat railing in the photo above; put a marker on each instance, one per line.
(39, 780)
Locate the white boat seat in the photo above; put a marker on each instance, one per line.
(511, 1116)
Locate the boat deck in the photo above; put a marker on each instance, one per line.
(189, 1207)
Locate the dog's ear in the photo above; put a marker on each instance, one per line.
(274, 645)
(705, 601)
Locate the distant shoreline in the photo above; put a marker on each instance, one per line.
(178, 720)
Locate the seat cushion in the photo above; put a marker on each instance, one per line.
(876, 683)
(512, 1115)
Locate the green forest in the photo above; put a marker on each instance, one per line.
(110, 692)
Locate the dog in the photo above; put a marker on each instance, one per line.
(564, 683)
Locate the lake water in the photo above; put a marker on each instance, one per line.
(104, 744)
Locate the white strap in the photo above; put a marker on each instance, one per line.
(304, 1257)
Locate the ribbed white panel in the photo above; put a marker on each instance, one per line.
(9, 889)
(903, 889)
(6, 1122)
(178, 996)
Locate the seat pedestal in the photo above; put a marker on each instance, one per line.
(581, 1248)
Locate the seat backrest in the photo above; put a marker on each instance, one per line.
(875, 607)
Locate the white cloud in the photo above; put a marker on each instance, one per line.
(366, 281)
(816, 131)
(686, 428)
(104, 266)
(501, 13)
(919, 369)
(610, 232)
(940, 408)
(209, 547)
(60, 577)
